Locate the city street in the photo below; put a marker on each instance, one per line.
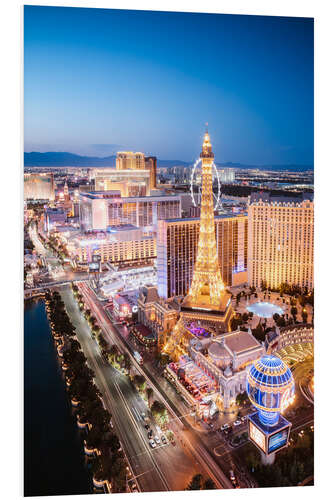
(160, 469)
(182, 427)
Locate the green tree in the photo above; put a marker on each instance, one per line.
(140, 383)
(160, 413)
(195, 483)
(209, 484)
(150, 395)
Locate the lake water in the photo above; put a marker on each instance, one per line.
(54, 462)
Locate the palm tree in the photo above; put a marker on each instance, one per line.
(209, 485)
(139, 382)
(195, 483)
(150, 394)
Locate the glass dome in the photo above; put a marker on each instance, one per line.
(270, 387)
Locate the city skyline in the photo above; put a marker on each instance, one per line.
(116, 91)
(168, 251)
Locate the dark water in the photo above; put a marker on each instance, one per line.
(54, 462)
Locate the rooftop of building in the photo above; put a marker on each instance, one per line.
(149, 294)
(286, 198)
(54, 211)
(100, 195)
(144, 331)
(216, 217)
(240, 341)
(96, 195)
(121, 228)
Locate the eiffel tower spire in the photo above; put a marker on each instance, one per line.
(207, 286)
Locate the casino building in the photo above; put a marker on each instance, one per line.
(281, 240)
(216, 367)
(100, 209)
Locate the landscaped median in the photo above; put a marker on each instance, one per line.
(122, 362)
(101, 444)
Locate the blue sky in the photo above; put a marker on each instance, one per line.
(97, 81)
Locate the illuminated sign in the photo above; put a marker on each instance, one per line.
(94, 266)
(278, 440)
(257, 437)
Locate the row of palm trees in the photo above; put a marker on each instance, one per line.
(121, 361)
(111, 354)
(199, 483)
(100, 442)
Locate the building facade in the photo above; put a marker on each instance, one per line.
(281, 239)
(128, 182)
(54, 217)
(39, 186)
(151, 165)
(124, 244)
(159, 315)
(177, 242)
(226, 175)
(98, 210)
(128, 160)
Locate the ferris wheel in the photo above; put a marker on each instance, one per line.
(195, 186)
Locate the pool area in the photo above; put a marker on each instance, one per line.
(265, 309)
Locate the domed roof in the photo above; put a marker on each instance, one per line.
(270, 371)
(270, 386)
(217, 351)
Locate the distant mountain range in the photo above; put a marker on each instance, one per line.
(56, 159)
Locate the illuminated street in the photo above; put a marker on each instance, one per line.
(167, 467)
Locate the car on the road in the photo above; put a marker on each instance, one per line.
(157, 440)
(164, 439)
(143, 415)
(224, 427)
(232, 475)
(147, 426)
(152, 443)
(150, 433)
(243, 419)
(237, 422)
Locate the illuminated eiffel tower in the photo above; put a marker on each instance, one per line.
(207, 303)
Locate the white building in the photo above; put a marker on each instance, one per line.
(100, 209)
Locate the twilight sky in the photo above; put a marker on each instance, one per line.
(97, 81)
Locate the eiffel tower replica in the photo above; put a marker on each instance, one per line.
(206, 310)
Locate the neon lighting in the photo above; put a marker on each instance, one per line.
(270, 387)
(198, 331)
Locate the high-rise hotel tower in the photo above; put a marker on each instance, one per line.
(281, 236)
(206, 309)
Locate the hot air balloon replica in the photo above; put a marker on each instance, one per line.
(271, 389)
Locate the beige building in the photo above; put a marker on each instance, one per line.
(124, 244)
(39, 186)
(128, 160)
(281, 238)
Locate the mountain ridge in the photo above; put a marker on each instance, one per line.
(65, 159)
